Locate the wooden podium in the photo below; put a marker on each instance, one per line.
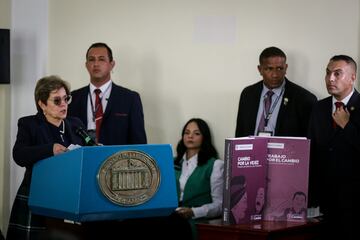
(262, 230)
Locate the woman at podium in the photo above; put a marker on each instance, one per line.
(199, 174)
(40, 136)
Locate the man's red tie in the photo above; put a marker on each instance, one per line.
(98, 113)
(337, 105)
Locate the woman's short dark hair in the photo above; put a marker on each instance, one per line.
(207, 149)
(45, 86)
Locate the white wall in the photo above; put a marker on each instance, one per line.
(29, 41)
(5, 16)
(193, 57)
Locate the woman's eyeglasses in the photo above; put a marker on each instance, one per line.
(57, 100)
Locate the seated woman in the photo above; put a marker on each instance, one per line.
(199, 174)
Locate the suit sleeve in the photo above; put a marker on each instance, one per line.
(26, 151)
(314, 167)
(137, 134)
(308, 102)
(237, 129)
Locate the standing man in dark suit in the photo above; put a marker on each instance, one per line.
(122, 121)
(335, 151)
(290, 107)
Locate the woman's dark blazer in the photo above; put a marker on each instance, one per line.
(34, 142)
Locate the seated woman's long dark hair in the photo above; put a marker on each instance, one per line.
(207, 149)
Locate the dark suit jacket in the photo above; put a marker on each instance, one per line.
(335, 163)
(293, 116)
(34, 142)
(123, 120)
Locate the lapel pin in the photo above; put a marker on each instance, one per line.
(286, 100)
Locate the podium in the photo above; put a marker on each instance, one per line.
(98, 183)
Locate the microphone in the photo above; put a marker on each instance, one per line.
(85, 136)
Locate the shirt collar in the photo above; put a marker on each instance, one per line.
(277, 91)
(191, 160)
(345, 100)
(103, 87)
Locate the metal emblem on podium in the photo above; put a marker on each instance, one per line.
(129, 178)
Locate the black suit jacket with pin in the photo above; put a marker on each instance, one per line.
(294, 112)
(123, 119)
(335, 162)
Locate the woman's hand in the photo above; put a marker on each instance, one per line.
(185, 212)
(58, 148)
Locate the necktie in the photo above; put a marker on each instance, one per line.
(98, 113)
(267, 104)
(337, 105)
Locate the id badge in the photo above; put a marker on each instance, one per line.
(265, 133)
